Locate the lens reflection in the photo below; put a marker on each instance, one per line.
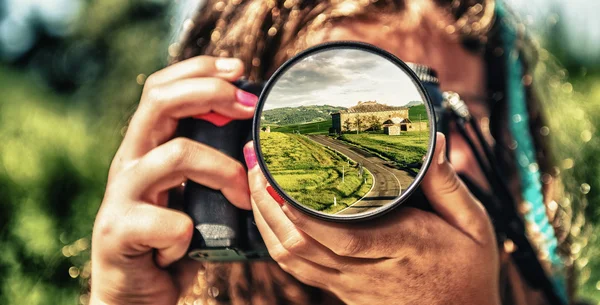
(344, 131)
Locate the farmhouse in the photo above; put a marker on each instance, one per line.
(371, 115)
(391, 130)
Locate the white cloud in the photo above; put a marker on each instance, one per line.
(342, 78)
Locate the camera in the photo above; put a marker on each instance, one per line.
(355, 156)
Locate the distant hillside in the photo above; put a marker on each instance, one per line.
(414, 103)
(321, 127)
(371, 106)
(299, 115)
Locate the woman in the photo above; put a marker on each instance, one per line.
(407, 257)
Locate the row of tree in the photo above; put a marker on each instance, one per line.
(363, 123)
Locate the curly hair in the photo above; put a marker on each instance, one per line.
(263, 34)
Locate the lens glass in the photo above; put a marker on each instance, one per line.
(344, 131)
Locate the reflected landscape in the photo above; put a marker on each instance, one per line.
(344, 131)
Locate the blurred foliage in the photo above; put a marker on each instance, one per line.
(573, 121)
(581, 160)
(63, 108)
(64, 105)
(571, 100)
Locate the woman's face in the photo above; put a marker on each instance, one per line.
(458, 71)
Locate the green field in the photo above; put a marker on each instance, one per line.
(406, 149)
(299, 115)
(312, 173)
(321, 127)
(417, 112)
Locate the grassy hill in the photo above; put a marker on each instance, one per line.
(321, 127)
(407, 149)
(415, 111)
(312, 173)
(299, 115)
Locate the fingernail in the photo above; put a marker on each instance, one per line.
(442, 154)
(246, 98)
(227, 65)
(250, 157)
(275, 195)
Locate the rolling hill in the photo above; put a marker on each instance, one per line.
(414, 103)
(415, 111)
(299, 115)
(321, 127)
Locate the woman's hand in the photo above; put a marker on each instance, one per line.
(408, 256)
(136, 236)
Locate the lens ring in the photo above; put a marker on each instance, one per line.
(345, 45)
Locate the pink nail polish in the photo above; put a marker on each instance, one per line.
(215, 118)
(250, 157)
(246, 98)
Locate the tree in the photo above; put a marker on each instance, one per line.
(374, 122)
(359, 122)
(348, 124)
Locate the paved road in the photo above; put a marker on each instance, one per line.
(388, 180)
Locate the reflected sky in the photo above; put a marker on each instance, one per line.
(342, 77)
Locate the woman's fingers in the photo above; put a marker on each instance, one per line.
(272, 222)
(201, 66)
(162, 107)
(196, 96)
(329, 244)
(304, 270)
(143, 227)
(451, 199)
(282, 232)
(399, 233)
(180, 159)
(289, 238)
(387, 237)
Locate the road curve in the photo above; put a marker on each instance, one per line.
(388, 180)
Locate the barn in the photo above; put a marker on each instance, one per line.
(366, 115)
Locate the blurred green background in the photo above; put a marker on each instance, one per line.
(71, 72)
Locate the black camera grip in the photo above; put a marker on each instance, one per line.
(219, 224)
(222, 231)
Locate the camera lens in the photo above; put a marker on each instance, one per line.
(344, 131)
